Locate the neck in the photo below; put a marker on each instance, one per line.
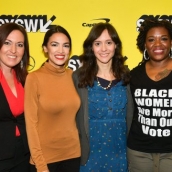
(105, 73)
(6, 70)
(159, 64)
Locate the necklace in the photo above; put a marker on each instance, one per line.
(105, 88)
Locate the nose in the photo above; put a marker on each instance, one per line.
(157, 41)
(60, 49)
(103, 47)
(13, 48)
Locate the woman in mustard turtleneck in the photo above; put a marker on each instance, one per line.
(51, 103)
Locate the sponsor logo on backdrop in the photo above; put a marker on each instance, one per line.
(32, 23)
(74, 62)
(160, 17)
(91, 24)
(31, 63)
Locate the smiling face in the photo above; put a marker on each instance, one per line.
(158, 43)
(12, 50)
(58, 49)
(104, 48)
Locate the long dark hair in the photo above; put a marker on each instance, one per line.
(5, 30)
(89, 69)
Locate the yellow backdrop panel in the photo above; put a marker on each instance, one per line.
(78, 16)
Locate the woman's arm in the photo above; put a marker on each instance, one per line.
(130, 109)
(31, 108)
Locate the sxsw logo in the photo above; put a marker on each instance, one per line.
(159, 17)
(30, 23)
(74, 63)
(107, 20)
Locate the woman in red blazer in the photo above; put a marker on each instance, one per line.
(14, 59)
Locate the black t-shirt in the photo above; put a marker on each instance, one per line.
(151, 130)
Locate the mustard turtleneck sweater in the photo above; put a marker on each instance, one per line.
(51, 103)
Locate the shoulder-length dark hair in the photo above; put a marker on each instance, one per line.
(56, 29)
(5, 30)
(89, 68)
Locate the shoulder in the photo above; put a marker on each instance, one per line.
(34, 76)
(138, 69)
(76, 73)
(70, 71)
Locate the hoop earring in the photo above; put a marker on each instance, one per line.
(170, 53)
(144, 55)
(21, 64)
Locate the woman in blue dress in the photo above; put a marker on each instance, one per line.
(101, 83)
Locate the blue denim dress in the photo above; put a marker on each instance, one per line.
(107, 128)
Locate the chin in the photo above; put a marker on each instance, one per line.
(63, 64)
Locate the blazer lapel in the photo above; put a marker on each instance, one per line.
(4, 106)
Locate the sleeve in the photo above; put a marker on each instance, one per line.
(31, 117)
(130, 109)
(74, 78)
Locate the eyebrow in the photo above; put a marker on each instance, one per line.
(12, 41)
(105, 40)
(159, 35)
(58, 42)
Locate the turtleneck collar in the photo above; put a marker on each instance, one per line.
(53, 69)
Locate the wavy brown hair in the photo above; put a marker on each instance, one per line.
(89, 68)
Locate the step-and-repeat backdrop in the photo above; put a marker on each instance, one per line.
(78, 16)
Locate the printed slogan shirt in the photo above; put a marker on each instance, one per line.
(151, 130)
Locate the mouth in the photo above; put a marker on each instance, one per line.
(12, 56)
(59, 57)
(158, 51)
(104, 55)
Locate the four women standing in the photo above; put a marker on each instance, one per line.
(51, 102)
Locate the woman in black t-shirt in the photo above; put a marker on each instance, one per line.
(150, 136)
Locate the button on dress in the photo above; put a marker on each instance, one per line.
(107, 129)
